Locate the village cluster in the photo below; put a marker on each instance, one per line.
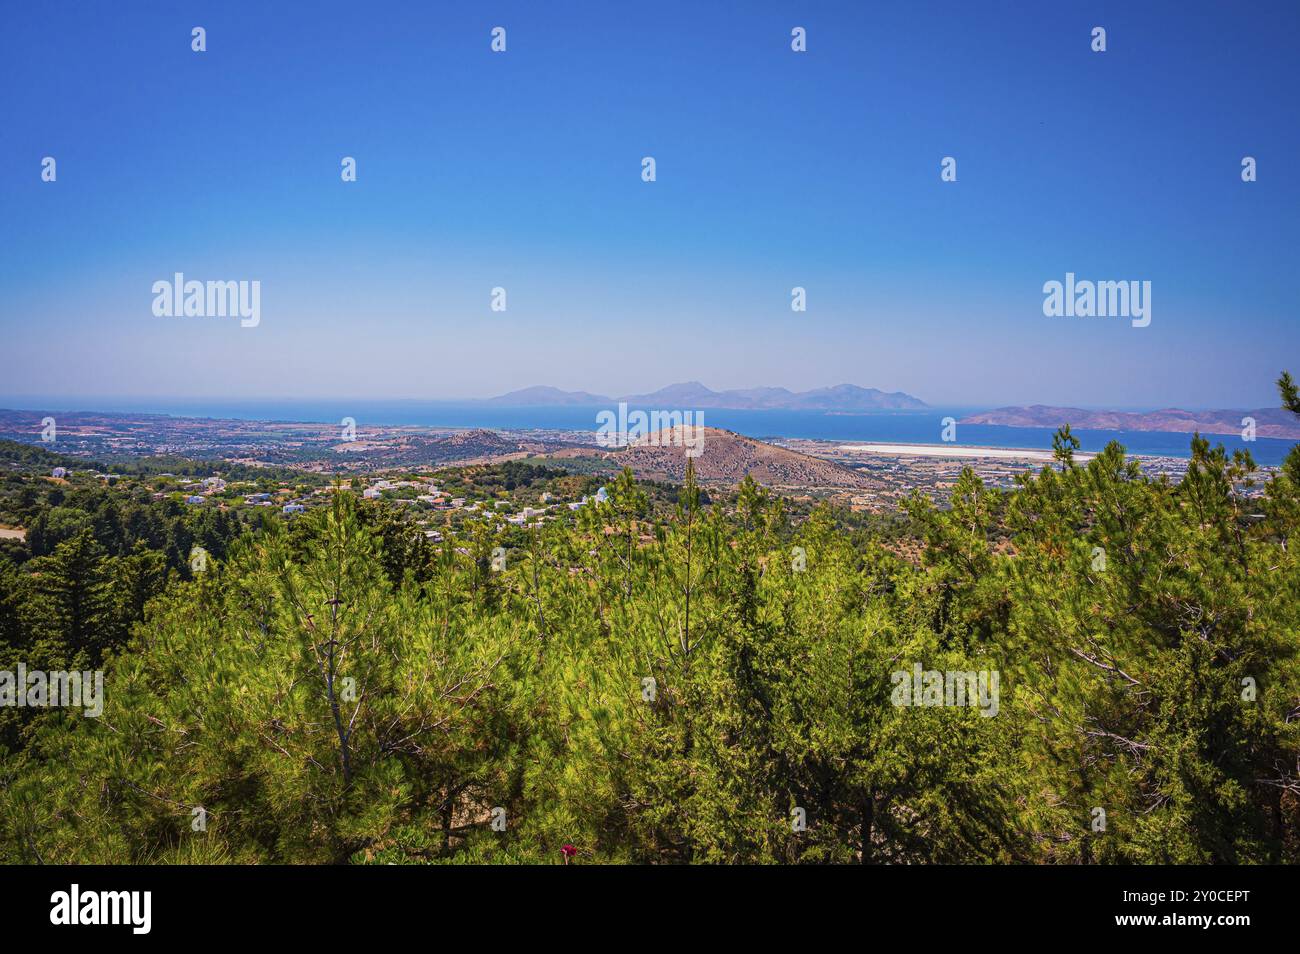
(419, 492)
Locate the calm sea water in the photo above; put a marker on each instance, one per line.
(910, 427)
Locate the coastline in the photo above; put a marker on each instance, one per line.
(956, 450)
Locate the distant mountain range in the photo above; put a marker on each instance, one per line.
(693, 394)
(1269, 421)
(544, 396)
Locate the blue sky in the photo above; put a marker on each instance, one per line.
(775, 169)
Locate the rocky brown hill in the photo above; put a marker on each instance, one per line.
(727, 457)
(474, 443)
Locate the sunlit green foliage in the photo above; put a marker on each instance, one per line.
(684, 688)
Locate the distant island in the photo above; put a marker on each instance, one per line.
(1269, 422)
(693, 394)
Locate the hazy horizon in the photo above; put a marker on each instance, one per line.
(176, 403)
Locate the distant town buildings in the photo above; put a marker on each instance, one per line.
(601, 496)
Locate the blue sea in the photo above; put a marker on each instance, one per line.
(909, 427)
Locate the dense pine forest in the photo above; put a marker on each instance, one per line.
(709, 681)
